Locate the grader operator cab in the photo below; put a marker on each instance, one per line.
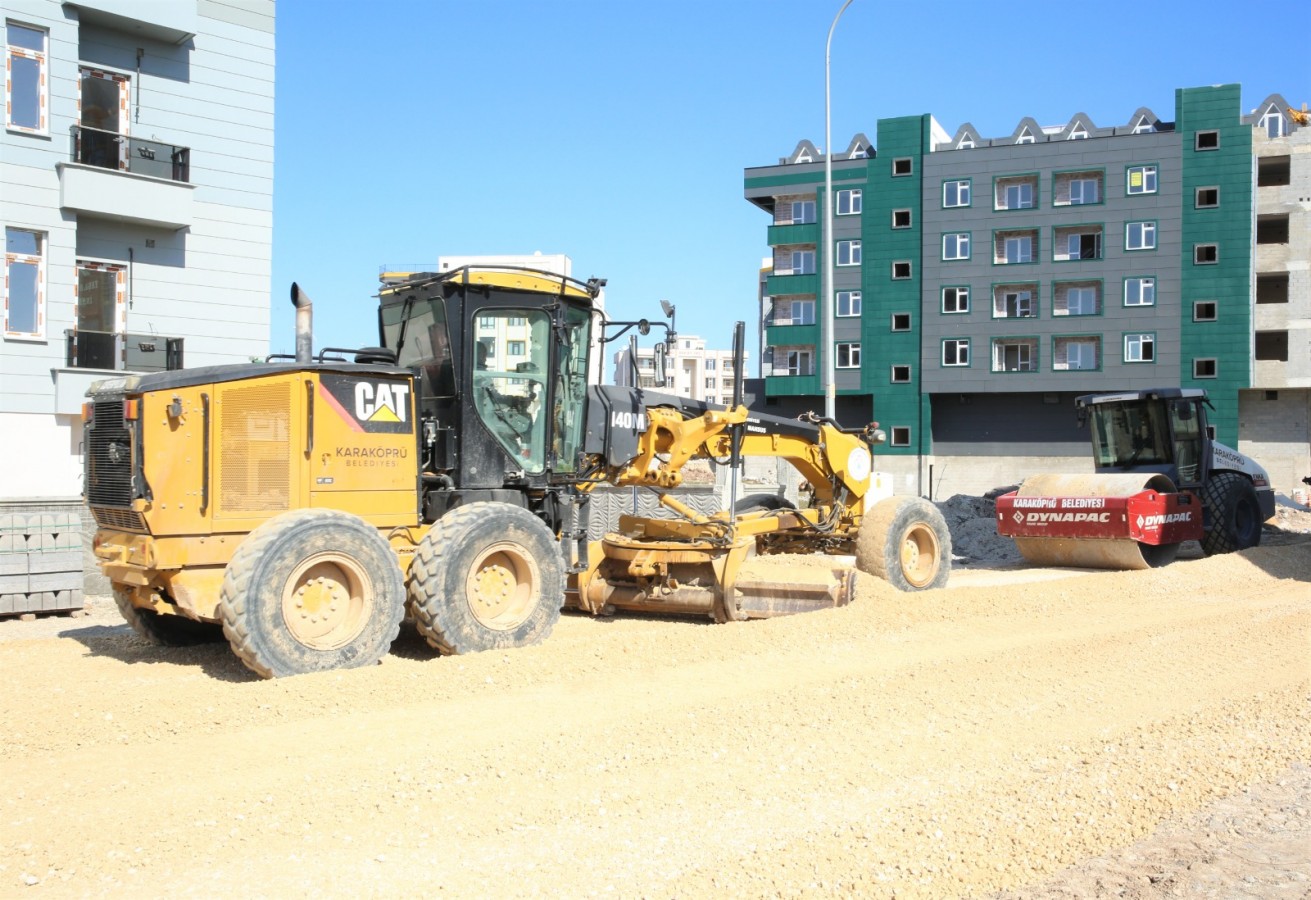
(307, 507)
(1160, 479)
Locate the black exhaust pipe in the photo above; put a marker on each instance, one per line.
(304, 324)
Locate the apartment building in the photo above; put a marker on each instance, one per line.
(136, 185)
(981, 283)
(691, 370)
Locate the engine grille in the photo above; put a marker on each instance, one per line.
(108, 466)
(121, 519)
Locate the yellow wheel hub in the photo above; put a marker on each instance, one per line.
(919, 555)
(327, 601)
(503, 586)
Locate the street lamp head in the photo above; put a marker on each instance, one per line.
(668, 308)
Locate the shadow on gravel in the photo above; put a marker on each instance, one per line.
(1282, 554)
(120, 642)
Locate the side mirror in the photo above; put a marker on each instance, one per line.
(660, 355)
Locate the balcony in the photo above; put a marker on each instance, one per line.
(116, 177)
(90, 356)
(174, 22)
(782, 235)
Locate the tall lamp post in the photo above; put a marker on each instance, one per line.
(826, 286)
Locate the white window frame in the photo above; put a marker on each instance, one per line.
(1140, 290)
(1080, 186)
(806, 258)
(1020, 241)
(910, 218)
(1074, 300)
(28, 259)
(1200, 361)
(1214, 309)
(960, 354)
(1026, 305)
(848, 253)
(910, 269)
(846, 355)
(892, 374)
(849, 202)
(1135, 343)
(797, 360)
(1273, 115)
(956, 245)
(1021, 188)
(847, 304)
(41, 57)
(805, 206)
(1026, 361)
(899, 436)
(801, 312)
(962, 299)
(1145, 232)
(962, 189)
(1148, 175)
(1082, 346)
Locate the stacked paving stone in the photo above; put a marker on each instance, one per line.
(40, 562)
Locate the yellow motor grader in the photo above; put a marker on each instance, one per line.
(301, 507)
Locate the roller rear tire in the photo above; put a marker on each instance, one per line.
(1234, 514)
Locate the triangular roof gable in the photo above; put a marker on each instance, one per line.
(1078, 126)
(966, 136)
(805, 153)
(859, 148)
(1027, 132)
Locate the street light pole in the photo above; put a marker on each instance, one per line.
(826, 285)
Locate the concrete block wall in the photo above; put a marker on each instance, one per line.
(40, 562)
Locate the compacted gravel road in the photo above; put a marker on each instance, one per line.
(1139, 734)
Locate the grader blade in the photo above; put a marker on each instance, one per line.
(767, 587)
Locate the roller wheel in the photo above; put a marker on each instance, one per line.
(311, 590)
(1234, 514)
(761, 503)
(165, 630)
(486, 576)
(905, 541)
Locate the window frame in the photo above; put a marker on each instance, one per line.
(1150, 172)
(1203, 137)
(957, 182)
(804, 204)
(893, 326)
(1215, 310)
(806, 318)
(1031, 341)
(1201, 362)
(1144, 281)
(1144, 339)
(854, 201)
(42, 59)
(1199, 249)
(1000, 291)
(1080, 231)
(853, 298)
(1146, 226)
(852, 352)
(942, 299)
(850, 249)
(892, 373)
(1031, 180)
(1096, 285)
(899, 436)
(1097, 176)
(907, 163)
(910, 219)
(1034, 236)
(803, 270)
(39, 310)
(910, 269)
(956, 344)
(959, 240)
(1197, 197)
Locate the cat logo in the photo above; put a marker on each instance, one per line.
(383, 402)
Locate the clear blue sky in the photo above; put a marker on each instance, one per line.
(617, 131)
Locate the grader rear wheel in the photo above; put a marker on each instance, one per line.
(905, 541)
(311, 590)
(486, 576)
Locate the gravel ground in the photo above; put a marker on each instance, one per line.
(1021, 733)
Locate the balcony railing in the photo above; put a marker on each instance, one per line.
(118, 351)
(110, 150)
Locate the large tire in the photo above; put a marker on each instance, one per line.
(165, 630)
(486, 576)
(312, 590)
(761, 503)
(1234, 514)
(905, 541)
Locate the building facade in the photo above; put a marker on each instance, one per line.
(982, 283)
(136, 187)
(691, 370)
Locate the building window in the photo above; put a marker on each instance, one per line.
(956, 193)
(956, 352)
(514, 348)
(1014, 301)
(849, 203)
(800, 312)
(901, 269)
(1015, 354)
(1140, 292)
(848, 253)
(1140, 348)
(797, 362)
(1204, 311)
(24, 297)
(1077, 242)
(1272, 229)
(904, 165)
(901, 218)
(1207, 198)
(1272, 287)
(956, 245)
(1026, 137)
(1205, 367)
(1274, 171)
(900, 436)
(1081, 353)
(25, 84)
(1014, 247)
(956, 299)
(848, 356)
(803, 262)
(848, 304)
(1077, 298)
(1206, 254)
(1077, 188)
(901, 321)
(803, 212)
(710, 383)
(1272, 346)
(901, 374)
(1140, 236)
(1015, 192)
(1207, 140)
(1140, 180)
(1272, 123)
(711, 364)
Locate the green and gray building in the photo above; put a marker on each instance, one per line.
(980, 284)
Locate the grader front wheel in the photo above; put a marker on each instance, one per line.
(905, 541)
(311, 590)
